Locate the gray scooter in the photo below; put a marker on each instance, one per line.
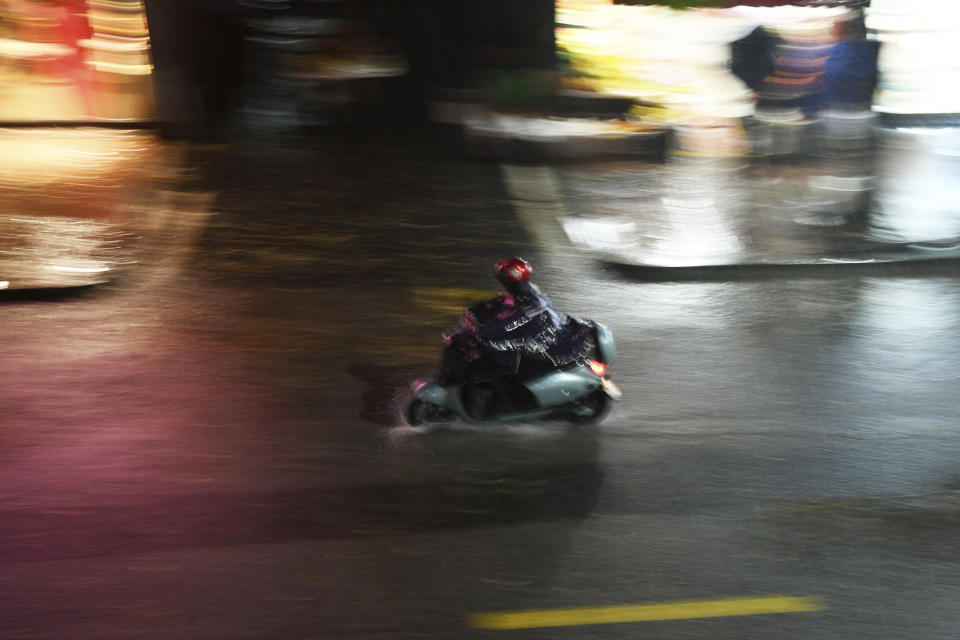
(579, 392)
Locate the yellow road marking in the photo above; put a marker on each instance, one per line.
(450, 301)
(455, 294)
(645, 612)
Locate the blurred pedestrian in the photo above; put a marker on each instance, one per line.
(753, 57)
(850, 72)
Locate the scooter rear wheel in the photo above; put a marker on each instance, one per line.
(424, 413)
(415, 413)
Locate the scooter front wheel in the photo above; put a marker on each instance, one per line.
(590, 409)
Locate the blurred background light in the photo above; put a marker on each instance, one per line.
(75, 60)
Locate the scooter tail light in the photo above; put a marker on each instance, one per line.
(597, 367)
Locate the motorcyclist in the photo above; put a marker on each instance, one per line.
(520, 322)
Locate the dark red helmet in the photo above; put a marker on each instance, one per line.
(513, 271)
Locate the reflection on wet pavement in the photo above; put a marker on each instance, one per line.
(918, 199)
(339, 211)
(701, 212)
(75, 201)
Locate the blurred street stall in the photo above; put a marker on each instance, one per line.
(75, 61)
(742, 81)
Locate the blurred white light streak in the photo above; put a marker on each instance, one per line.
(66, 269)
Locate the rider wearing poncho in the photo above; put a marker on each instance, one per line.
(495, 335)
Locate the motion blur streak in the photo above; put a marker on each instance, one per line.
(918, 62)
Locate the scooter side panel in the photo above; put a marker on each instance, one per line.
(434, 394)
(450, 398)
(562, 387)
(522, 416)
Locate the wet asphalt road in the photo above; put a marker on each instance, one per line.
(210, 447)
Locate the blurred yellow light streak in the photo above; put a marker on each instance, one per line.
(684, 610)
(129, 69)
